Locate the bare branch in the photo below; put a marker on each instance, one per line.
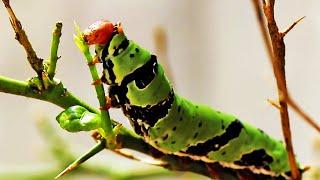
(21, 36)
(161, 47)
(277, 58)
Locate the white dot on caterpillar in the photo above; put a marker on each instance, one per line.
(216, 145)
(117, 98)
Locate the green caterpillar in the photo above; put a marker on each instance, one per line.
(169, 122)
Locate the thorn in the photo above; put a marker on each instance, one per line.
(108, 104)
(307, 168)
(94, 61)
(292, 26)
(108, 101)
(96, 136)
(106, 108)
(96, 82)
(93, 151)
(274, 104)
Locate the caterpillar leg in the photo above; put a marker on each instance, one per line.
(213, 172)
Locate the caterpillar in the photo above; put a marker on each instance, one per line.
(171, 123)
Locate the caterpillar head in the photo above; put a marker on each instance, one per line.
(119, 55)
(101, 32)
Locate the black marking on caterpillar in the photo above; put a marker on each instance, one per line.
(217, 142)
(118, 95)
(258, 158)
(142, 77)
(124, 44)
(150, 114)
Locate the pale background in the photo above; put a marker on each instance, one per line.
(216, 55)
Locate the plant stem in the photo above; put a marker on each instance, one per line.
(106, 124)
(57, 94)
(56, 34)
(276, 52)
(97, 148)
(21, 36)
(105, 117)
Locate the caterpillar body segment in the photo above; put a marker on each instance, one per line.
(173, 124)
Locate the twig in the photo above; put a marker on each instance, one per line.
(106, 124)
(277, 58)
(56, 34)
(292, 26)
(97, 148)
(57, 95)
(303, 114)
(21, 36)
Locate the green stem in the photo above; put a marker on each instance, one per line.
(57, 94)
(93, 151)
(56, 34)
(106, 124)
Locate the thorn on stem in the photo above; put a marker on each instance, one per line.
(274, 104)
(108, 102)
(97, 82)
(96, 136)
(105, 108)
(291, 27)
(94, 62)
(93, 151)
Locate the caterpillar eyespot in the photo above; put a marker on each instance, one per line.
(173, 124)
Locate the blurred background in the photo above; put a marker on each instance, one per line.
(214, 50)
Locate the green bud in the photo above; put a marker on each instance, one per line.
(78, 118)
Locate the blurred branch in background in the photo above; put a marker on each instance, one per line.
(315, 171)
(161, 47)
